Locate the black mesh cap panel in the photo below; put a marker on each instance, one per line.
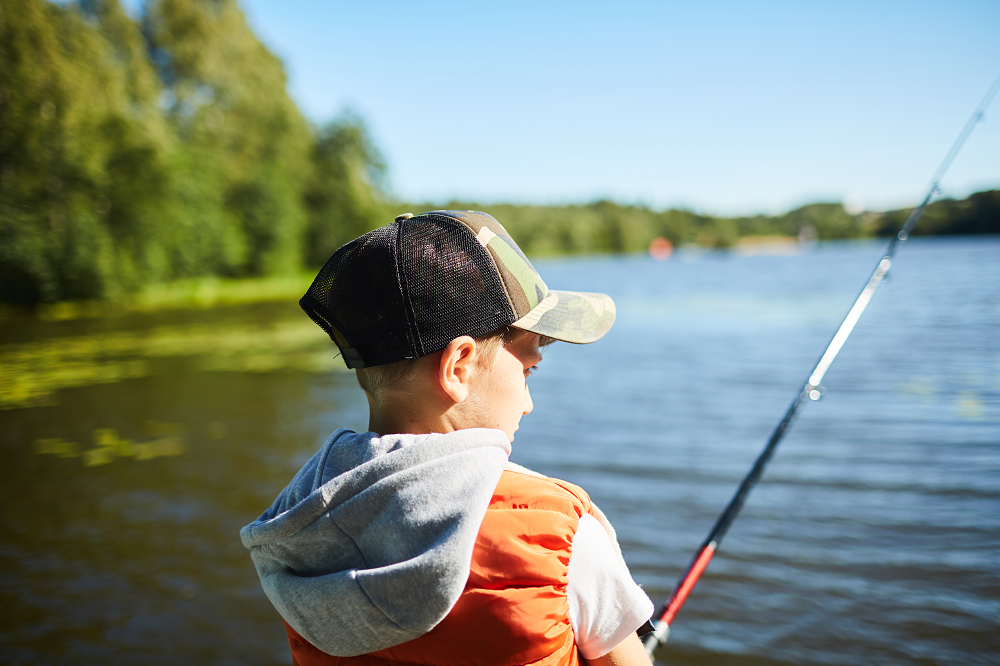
(451, 284)
(357, 295)
(406, 290)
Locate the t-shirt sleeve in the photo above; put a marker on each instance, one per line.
(605, 604)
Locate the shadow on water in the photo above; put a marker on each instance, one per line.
(136, 446)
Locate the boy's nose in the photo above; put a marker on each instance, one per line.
(527, 400)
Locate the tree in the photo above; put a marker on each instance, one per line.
(347, 172)
(977, 214)
(77, 113)
(227, 102)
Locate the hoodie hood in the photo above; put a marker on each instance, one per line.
(370, 544)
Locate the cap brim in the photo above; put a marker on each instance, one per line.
(570, 316)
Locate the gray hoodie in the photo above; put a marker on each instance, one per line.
(370, 544)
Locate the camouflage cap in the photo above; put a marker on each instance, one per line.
(570, 316)
(407, 289)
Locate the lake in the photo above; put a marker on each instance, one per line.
(136, 446)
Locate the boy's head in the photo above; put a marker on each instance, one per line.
(443, 297)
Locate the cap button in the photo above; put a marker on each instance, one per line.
(404, 216)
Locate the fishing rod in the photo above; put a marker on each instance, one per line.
(811, 390)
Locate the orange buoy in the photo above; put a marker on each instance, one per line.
(660, 248)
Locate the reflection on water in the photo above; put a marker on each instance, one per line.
(31, 372)
(966, 403)
(108, 445)
(135, 447)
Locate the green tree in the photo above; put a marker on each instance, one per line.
(240, 132)
(135, 154)
(77, 113)
(829, 220)
(347, 173)
(977, 214)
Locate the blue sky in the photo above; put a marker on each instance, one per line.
(729, 108)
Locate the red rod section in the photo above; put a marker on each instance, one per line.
(689, 582)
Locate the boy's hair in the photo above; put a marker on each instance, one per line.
(379, 378)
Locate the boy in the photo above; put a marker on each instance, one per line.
(418, 542)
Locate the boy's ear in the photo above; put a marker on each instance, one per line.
(456, 367)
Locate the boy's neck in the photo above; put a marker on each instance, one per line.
(400, 416)
(399, 413)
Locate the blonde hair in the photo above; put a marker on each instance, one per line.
(379, 378)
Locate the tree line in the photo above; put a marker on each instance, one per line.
(605, 226)
(142, 151)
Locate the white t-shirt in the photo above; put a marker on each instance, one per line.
(605, 604)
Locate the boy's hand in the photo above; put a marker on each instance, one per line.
(630, 652)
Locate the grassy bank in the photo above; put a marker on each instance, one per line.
(193, 293)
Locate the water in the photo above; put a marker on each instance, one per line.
(135, 448)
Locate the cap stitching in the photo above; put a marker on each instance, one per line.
(412, 330)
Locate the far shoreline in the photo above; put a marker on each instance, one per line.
(209, 292)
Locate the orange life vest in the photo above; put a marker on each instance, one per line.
(514, 608)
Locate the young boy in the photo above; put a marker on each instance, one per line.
(418, 542)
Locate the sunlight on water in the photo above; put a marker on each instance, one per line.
(967, 403)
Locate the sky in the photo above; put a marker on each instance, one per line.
(722, 107)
